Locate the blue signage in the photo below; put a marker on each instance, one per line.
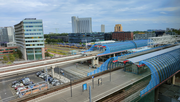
(92, 76)
(84, 87)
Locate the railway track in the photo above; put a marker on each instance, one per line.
(57, 88)
(122, 94)
(43, 61)
(19, 70)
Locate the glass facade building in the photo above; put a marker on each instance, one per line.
(6, 34)
(30, 38)
(86, 37)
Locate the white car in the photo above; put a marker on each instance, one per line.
(17, 84)
(20, 88)
(41, 75)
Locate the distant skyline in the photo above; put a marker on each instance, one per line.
(56, 14)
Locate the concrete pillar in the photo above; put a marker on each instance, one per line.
(156, 94)
(52, 71)
(97, 61)
(114, 55)
(34, 53)
(93, 62)
(173, 79)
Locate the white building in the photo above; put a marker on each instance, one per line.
(102, 28)
(81, 25)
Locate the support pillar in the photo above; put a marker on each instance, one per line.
(173, 80)
(114, 55)
(156, 94)
(52, 71)
(97, 61)
(93, 62)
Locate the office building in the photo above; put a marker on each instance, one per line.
(140, 36)
(86, 37)
(30, 38)
(81, 25)
(102, 28)
(6, 35)
(118, 28)
(122, 36)
(108, 36)
(63, 38)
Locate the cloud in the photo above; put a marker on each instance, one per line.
(163, 12)
(58, 13)
(167, 9)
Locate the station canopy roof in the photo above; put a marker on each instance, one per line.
(153, 54)
(121, 46)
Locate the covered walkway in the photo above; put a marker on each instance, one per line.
(163, 64)
(117, 46)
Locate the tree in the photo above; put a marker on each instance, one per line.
(19, 53)
(11, 58)
(5, 59)
(47, 54)
(16, 56)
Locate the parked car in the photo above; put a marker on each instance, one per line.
(57, 83)
(38, 73)
(20, 88)
(45, 76)
(54, 81)
(26, 81)
(17, 87)
(17, 84)
(48, 78)
(14, 82)
(42, 75)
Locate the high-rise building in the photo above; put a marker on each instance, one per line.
(118, 28)
(6, 34)
(102, 28)
(81, 25)
(30, 38)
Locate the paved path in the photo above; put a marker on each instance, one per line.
(119, 80)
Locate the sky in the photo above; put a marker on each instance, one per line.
(56, 14)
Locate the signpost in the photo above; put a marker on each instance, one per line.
(84, 87)
(93, 81)
(99, 81)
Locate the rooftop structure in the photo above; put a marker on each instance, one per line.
(166, 39)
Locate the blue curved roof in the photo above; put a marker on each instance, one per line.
(120, 46)
(162, 67)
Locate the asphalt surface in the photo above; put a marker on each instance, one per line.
(8, 93)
